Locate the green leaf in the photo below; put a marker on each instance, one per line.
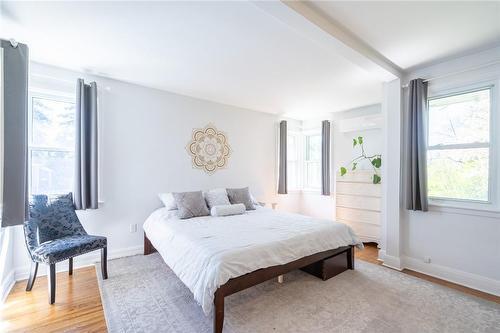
(354, 142)
(343, 171)
(376, 179)
(377, 162)
(360, 140)
(354, 165)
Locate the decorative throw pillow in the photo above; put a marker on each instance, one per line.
(190, 204)
(226, 210)
(240, 195)
(216, 197)
(168, 200)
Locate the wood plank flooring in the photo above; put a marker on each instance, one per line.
(78, 305)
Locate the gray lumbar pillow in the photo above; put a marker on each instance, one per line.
(241, 195)
(190, 204)
(217, 197)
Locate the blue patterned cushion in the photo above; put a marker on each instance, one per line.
(54, 217)
(64, 248)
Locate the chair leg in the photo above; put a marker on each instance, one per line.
(70, 269)
(31, 280)
(104, 263)
(51, 279)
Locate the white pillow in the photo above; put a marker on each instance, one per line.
(168, 200)
(216, 197)
(225, 210)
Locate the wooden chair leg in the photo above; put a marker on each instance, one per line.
(70, 269)
(104, 263)
(31, 280)
(51, 279)
(218, 312)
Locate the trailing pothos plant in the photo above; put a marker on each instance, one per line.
(375, 161)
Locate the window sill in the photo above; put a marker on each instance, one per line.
(450, 209)
(304, 191)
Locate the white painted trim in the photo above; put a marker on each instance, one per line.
(463, 278)
(450, 209)
(22, 272)
(7, 285)
(390, 261)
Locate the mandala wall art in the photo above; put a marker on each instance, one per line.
(209, 149)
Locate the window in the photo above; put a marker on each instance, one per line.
(312, 162)
(51, 144)
(293, 161)
(304, 160)
(459, 154)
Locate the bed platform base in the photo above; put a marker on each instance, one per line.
(323, 265)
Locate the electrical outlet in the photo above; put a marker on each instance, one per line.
(133, 228)
(427, 260)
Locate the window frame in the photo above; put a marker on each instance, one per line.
(305, 183)
(301, 138)
(298, 142)
(492, 203)
(53, 96)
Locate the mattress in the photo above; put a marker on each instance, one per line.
(205, 252)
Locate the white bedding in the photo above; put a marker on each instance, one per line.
(205, 252)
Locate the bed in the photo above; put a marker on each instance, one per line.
(218, 256)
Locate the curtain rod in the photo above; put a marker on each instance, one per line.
(458, 72)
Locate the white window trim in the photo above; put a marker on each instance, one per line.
(42, 94)
(476, 207)
(301, 161)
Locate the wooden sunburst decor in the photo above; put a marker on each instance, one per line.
(209, 149)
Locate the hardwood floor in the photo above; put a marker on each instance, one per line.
(78, 305)
(77, 309)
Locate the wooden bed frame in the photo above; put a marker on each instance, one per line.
(323, 265)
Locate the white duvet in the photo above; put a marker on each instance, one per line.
(205, 252)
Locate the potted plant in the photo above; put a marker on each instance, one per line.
(375, 161)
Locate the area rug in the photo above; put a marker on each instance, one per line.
(143, 295)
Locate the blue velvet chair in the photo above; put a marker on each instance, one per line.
(53, 233)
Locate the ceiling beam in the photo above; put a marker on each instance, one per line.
(310, 22)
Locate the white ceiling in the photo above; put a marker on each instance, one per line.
(229, 52)
(419, 32)
(261, 56)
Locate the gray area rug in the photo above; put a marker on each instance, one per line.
(143, 295)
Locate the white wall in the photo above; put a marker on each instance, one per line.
(143, 140)
(463, 244)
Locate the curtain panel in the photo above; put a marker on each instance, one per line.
(416, 147)
(86, 153)
(15, 59)
(325, 157)
(282, 175)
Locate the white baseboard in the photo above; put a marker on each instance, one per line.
(89, 259)
(390, 261)
(7, 285)
(466, 279)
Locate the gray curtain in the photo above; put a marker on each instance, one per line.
(325, 157)
(85, 194)
(416, 146)
(15, 133)
(282, 177)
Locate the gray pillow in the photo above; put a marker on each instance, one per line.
(217, 197)
(241, 195)
(190, 204)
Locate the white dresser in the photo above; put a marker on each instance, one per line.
(358, 204)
